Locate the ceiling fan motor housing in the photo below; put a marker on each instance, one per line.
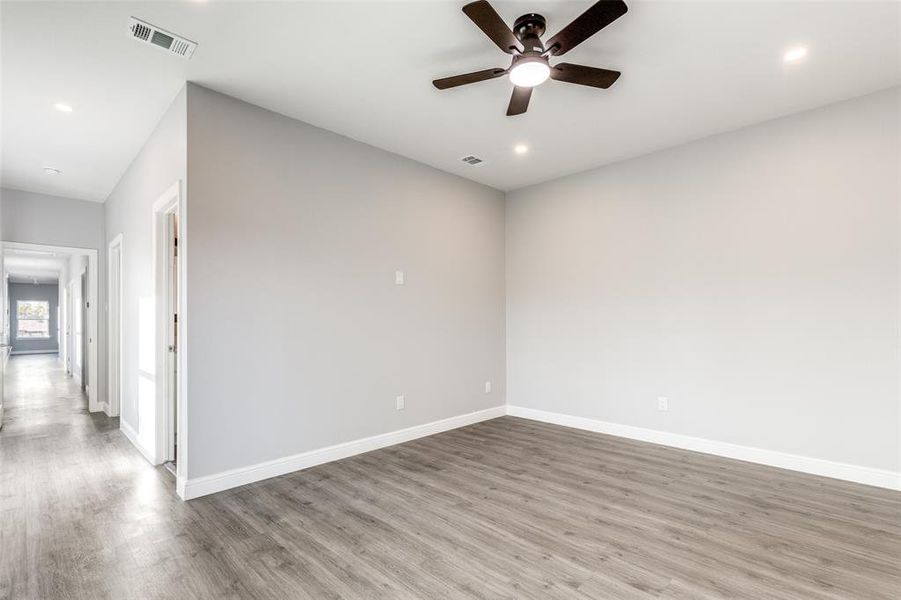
(528, 29)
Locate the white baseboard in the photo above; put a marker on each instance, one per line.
(210, 484)
(17, 352)
(805, 464)
(132, 436)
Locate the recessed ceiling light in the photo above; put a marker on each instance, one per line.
(520, 148)
(51, 171)
(794, 54)
(62, 107)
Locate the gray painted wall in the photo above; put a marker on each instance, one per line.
(29, 291)
(159, 164)
(41, 219)
(307, 228)
(752, 278)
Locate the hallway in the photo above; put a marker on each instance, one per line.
(42, 401)
(74, 491)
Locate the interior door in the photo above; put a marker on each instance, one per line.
(172, 334)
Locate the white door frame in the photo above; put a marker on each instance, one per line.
(67, 342)
(170, 203)
(82, 314)
(95, 402)
(114, 327)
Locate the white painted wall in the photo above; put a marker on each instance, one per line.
(752, 278)
(298, 336)
(160, 163)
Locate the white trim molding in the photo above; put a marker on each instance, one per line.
(815, 466)
(114, 366)
(210, 484)
(132, 436)
(170, 202)
(18, 352)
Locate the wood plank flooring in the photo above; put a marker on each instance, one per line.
(508, 508)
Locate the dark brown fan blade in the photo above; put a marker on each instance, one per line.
(449, 82)
(487, 19)
(599, 78)
(586, 25)
(519, 101)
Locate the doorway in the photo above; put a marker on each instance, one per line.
(5, 347)
(114, 349)
(68, 328)
(170, 327)
(172, 335)
(73, 274)
(83, 306)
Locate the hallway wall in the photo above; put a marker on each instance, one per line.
(159, 164)
(29, 291)
(34, 218)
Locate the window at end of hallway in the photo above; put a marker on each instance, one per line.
(33, 319)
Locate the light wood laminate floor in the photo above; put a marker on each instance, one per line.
(504, 509)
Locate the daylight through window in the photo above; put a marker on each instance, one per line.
(33, 319)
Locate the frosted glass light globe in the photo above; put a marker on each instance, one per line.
(529, 73)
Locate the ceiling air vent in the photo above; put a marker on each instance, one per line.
(472, 161)
(144, 32)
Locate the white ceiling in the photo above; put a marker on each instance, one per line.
(27, 267)
(690, 69)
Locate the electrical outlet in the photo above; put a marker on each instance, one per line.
(399, 403)
(487, 387)
(662, 403)
(399, 277)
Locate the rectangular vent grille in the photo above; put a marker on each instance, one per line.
(141, 31)
(165, 40)
(162, 40)
(472, 161)
(182, 48)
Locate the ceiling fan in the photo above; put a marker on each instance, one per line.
(530, 65)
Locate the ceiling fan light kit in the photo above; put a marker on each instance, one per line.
(530, 65)
(529, 71)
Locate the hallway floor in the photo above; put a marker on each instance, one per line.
(507, 508)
